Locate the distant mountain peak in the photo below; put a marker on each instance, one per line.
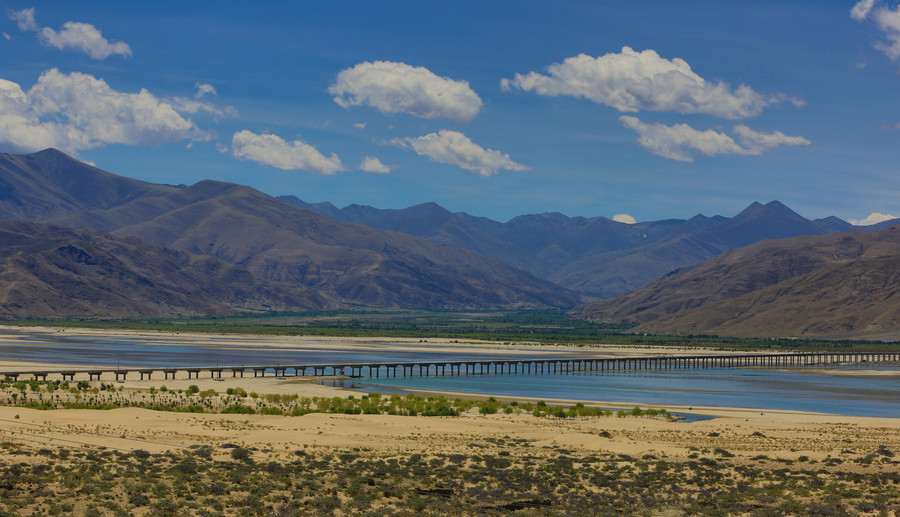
(50, 151)
(430, 207)
(770, 209)
(780, 207)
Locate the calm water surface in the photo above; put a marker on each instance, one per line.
(747, 388)
(724, 387)
(156, 352)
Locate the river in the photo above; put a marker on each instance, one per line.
(795, 389)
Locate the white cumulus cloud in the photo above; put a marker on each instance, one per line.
(204, 89)
(455, 148)
(186, 105)
(889, 22)
(24, 19)
(374, 165)
(76, 111)
(400, 88)
(633, 81)
(273, 150)
(682, 142)
(22, 130)
(887, 19)
(861, 10)
(75, 35)
(873, 218)
(624, 218)
(757, 142)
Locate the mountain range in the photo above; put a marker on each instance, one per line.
(844, 284)
(597, 257)
(272, 240)
(81, 242)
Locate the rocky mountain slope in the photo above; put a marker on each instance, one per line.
(833, 285)
(49, 271)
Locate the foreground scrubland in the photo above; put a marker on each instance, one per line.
(366, 455)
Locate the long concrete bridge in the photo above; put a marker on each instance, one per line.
(511, 366)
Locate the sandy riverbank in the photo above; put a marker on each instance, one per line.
(785, 434)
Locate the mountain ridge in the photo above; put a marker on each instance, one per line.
(597, 256)
(273, 240)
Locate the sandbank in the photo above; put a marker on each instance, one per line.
(19, 335)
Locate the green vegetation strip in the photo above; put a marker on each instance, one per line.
(47, 395)
(548, 327)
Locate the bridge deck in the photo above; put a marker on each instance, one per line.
(475, 366)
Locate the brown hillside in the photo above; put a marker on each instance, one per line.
(852, 299)
(792, 281)
(51, 272)
(270, 238)
(353, 263)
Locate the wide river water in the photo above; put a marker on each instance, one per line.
(725, 387)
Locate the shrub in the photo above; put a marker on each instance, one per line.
(238, 409)
(240, 454)
(487, 408)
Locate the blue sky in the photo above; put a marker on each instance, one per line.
(652, 109)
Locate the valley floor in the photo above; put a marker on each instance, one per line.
(132, 461)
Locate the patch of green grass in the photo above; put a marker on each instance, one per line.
(544, 326)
